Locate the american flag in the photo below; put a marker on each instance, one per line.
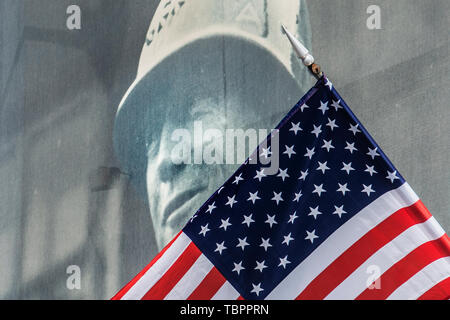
(337, 221)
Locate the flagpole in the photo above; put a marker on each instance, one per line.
(304, 54)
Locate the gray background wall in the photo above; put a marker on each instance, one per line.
(60, 89)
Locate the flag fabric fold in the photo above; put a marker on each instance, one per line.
(337, 221)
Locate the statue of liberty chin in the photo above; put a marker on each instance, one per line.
(224, 63)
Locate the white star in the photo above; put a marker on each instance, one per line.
(351, 147)
(220, 190)
(373, 153)
(317, 130)
(311, 236)
(332, 124)
(336, 105)
(260, 175)
(237, 179)
(225, 224)
(193, 218)
(266, 153)
(248, 220)
(319, 189)
(314, 212)
(220, 247)
(204, 230)
(339, 211)
(297, 196)
(277, 197)
(303, 175)
(231, 201)
(242, 243)
(260, 266)
(392, 176)
(322, 166)
(292, 217)
(327, 145)
(367, 189)
(323, 107)
(211, 207)
(289, 151)
(271, 220)
(238, 267)
(284, 262)
(283, 174)
(354, 129)
(370, 170)
(287, 239)
(329, 84)
(257, 289)
(343, 188)
(347, 167)
(303, 107)
(253, 197)
(265, 243)
(310, 152)
(295, 128)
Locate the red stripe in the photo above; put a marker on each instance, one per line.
(361, 250)
(209, 286)
(164, 285)
(404, 269)
(240, 298)
(130, 284)
(440, 291)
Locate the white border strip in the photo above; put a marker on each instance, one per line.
(226, 292)
(155, 273)
(192, 278)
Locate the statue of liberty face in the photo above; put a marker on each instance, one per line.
(179, 183)
(177, 190)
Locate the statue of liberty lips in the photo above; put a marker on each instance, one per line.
(224, 63)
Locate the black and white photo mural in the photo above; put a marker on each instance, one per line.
(119, 119)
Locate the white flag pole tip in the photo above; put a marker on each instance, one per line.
(303, 53)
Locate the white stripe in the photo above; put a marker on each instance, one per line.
(226, 292)
(386, 257)
(192, 278)
(423, 281)
(155, 273)
(342, 239)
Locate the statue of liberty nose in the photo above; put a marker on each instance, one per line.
(224, 64)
